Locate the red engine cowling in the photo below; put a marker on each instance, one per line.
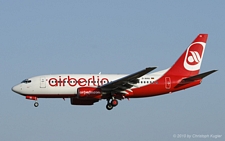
(89, 93)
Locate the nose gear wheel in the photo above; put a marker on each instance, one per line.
(36, 104)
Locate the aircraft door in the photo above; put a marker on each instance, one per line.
(42, 82)
(167, 82)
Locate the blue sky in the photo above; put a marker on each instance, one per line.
(39, 37)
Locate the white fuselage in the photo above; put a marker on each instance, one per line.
(67, 84)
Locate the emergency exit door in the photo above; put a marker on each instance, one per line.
(167, 82)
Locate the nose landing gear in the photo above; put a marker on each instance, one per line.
(36, 104)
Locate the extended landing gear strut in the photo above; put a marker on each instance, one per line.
(36, 104)
(111, 104)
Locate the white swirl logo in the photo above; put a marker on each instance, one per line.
(194, 55)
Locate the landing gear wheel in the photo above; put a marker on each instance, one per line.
(114, 102)
(36, 104)
(109, 106)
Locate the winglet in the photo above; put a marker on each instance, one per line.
(150, 69)
(141, 73)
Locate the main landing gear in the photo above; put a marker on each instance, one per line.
(110, 105)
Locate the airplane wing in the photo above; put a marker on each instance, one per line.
(125, 83)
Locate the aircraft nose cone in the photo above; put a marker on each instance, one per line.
(16, 89)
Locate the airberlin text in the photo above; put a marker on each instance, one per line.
(72, 82)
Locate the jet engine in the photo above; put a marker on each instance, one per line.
(86, 96)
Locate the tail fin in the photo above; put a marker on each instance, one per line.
(190, 61)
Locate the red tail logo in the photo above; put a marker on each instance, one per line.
(194, 55)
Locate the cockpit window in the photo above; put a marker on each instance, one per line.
(26, 81)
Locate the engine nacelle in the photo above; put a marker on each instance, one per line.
(89, 93)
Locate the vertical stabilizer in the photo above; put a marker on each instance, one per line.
(190, 61)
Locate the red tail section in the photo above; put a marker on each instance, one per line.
(190, 61)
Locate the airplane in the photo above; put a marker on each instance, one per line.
(87, 89)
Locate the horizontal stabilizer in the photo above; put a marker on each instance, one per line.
(199, 76)
(193, 78)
